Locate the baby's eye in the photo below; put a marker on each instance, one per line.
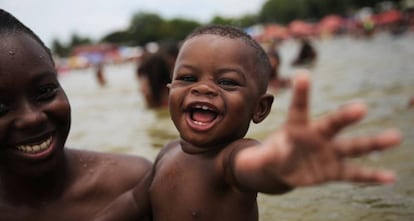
(187, 78)
(227, 82)
(3, 109)
(46, 92)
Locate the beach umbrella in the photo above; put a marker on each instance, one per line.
(275, 31)
(331, 24)
(299, 28)
(388, 17)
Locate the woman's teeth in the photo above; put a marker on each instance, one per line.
(35, 148)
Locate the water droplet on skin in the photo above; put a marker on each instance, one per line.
(11, 52)
(194, 214)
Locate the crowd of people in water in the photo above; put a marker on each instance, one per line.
(154, 69)
(362, 24)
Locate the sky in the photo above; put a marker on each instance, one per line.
(59, 19)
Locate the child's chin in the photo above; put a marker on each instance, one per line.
(196, 146)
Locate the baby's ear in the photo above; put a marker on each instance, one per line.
(263, 108)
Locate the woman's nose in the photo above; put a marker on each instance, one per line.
(29, 115)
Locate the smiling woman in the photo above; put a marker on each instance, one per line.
(39, 178)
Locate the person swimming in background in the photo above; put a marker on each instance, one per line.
(99, 73)
(170, 49)
(411, 102)
(41, 179)
(213, 172)
(276, 81)
(307, 54)
(153, 76)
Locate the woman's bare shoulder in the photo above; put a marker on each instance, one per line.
(116, 165)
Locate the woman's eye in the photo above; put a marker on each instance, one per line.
(46, 92)
(3, 109)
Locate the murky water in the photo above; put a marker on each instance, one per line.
(379, 71)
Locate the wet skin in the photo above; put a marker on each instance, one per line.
(214, 93)
(34, 110)
(213, 97)
(213, 173)
(39, 178)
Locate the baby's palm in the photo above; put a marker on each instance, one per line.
(308, 152)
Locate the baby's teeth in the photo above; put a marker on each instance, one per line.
(202, 107)
(199, 123)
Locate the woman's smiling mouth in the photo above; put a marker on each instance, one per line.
(35, 148)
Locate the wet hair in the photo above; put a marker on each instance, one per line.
(157, 69)
(171, 49)
(274, 54)
(11, 25)
(263, 64)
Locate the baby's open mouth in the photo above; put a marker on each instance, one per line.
(35, 148)
(203, 114)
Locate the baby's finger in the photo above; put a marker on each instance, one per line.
(357, 174)
(298, 110)
(362, 145)
(331, 124)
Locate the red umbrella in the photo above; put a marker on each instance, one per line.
(275, 31)
(388, 17)
(331, 23)
(300, 28)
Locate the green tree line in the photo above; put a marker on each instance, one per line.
(147, 27)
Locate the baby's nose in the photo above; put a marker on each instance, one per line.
(204, 89)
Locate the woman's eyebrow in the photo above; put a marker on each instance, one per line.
(43, 75)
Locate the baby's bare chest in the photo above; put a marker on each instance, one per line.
(195, 190)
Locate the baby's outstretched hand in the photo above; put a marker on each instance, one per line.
(305, 152)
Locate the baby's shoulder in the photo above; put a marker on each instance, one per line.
(240, 144)
(168, 148)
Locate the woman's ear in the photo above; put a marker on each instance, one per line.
(263, 108)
